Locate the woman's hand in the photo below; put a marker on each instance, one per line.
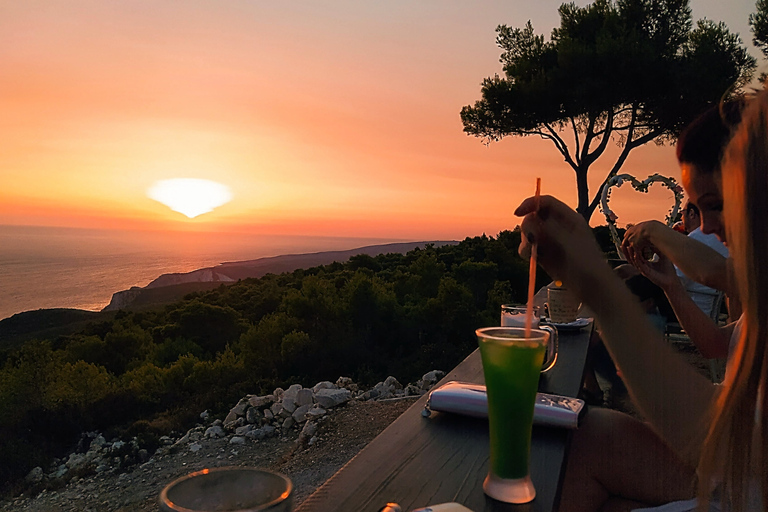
(638, 241)
(661, 272)
(566, 247)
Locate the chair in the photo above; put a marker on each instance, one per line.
(674, 333)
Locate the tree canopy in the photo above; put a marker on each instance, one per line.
(630, 72)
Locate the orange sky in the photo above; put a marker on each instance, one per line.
(324, 118)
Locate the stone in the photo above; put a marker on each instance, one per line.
(75, 460)
(268, 414)
(230, 419)
(278, 394)
(241, 431)
(98, 443)
(276, 409)
(256, 434)
(237, 440)
(195, 447)
(288, 423)
(35, 476)
(292, 391)
(214, 432)
(217, 422)
(429, 379)
(327, 398)
(289, 405)
(204, 416)
(347, 383)
(260, 402)
(143, 455)
(392, 382)
(305, 397)
(413, 390)
(316, 412)
(326, 384)
(253, 415)
(382, 390)
(239, 409)
(269, 430)
(300, 414)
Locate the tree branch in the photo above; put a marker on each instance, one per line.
(576, 139)
(561, 146)
(607, 132)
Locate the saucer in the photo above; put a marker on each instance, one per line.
(577, 324)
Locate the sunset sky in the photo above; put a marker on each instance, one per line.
(336, 118)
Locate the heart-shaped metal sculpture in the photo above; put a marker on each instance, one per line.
(641, 186)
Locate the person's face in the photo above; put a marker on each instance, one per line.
(704, 191)
(691, 220)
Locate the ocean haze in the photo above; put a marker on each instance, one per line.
(45, 267)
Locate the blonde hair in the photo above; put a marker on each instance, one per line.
(734, 453)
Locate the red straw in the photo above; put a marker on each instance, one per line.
(532, 273)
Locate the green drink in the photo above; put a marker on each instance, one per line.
(512, 365)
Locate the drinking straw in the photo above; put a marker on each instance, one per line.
(532, 271)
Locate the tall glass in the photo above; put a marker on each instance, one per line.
(511, 364)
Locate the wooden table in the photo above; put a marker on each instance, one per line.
(419, 461)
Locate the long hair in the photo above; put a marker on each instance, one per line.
(734, 454)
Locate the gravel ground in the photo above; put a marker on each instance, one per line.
(341, 434)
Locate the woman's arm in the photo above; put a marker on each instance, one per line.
(698, 261)
(670, 393)
(711, 340)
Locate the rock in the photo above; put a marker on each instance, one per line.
(393, 383)
(195, 447)
(300, 414)
(292, 391)
(382, 390)
(239, 409)
(327, 398)
(268, 414)
(143, 455)
(307, 433)
(98, 443)
(326, 384)
(316, 412)
(35, 476)
(241, 431)
(214, 432)
(75, 460)
(204, 416)
(288, 423)
(412, 390)
(305, 397)
(256, 434)
(268, 430)
(164, 440)
(347, 383)
(276, 409)
(253, 415)
(237, 440)
(60, 472)
(230, 420)
(260, 402)
(429, 379)
(217, 423)
(289, 405)
(278, 394)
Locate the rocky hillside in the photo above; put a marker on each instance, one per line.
(306, 433)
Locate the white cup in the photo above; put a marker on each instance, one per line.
(562, 304)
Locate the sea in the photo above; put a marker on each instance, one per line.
(53, 267)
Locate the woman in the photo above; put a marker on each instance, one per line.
(716, 429)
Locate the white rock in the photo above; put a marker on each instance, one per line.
(261, 402)
(316, 412)
(214, 432)
(327, 398)
(195, 447)
(237, 440)
(392, 382)
(305, 397)
(326, 384)
(300, 414)
(289, 404)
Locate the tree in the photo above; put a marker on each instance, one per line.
(758, 22)
(631, 72)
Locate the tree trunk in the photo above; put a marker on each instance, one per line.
(582, 188)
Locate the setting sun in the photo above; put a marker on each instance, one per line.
(190, 196)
